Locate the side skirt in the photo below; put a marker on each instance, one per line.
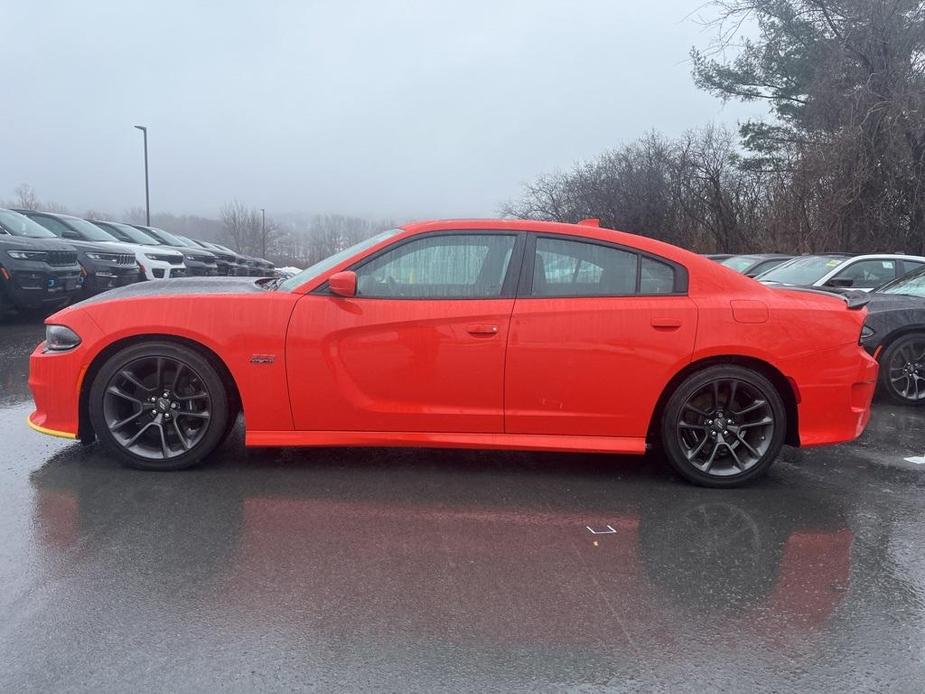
(533, 442)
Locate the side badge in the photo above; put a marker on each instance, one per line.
(263, 358)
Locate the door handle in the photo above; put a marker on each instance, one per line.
(666, 323)
(482, 329)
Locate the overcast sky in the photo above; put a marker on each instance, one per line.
(380, 108)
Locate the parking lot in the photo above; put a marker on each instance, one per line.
(399, 570)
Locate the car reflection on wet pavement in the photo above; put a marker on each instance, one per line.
(403, 570)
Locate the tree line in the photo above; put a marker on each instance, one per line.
(839, 164)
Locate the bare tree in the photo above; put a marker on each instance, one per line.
(26, 198)
(242, 227)
(690, 192)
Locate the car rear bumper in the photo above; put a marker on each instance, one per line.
(835, 390)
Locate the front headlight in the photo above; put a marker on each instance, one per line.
(867, 332)
(152, 256)
(28, 255)
(59, 338)
(103, 257)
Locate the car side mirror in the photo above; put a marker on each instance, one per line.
(343, 283)
(840, 282)
(68, 234)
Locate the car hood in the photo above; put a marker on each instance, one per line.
(100, 246)
(180, 287)
(207, 256)
(200, 254)
(29, 244)
(138, 248)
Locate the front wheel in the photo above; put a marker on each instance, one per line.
(159, 406)
(723, 426)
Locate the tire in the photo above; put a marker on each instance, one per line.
(184, 406)
(723, 426)
(902, 370)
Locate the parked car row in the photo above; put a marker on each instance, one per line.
(48, 260)
(830, 270)
(894, 332)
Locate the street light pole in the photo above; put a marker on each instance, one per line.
(144, 131)
(263, 233)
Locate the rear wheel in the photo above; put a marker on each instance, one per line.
(902, 370)
(159, 406)
(723, 426)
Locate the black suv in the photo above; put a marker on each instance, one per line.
(225, 261)
(198, 262)
(239, 264)
(105, 263)
(37, 271)
(267, 269)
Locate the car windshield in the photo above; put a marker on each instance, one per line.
(804, 270)
(20, 225)
(89, 231)
(166, 237)
(189, 243)
(131, 234)
(333, 260)
(911, 285)
(740, 263)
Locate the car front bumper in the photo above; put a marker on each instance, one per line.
(55, 378)
(101, 278)
(159, 270)
(33, 285)
(200, 269)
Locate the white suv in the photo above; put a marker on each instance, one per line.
(157, 262)
(842, 270)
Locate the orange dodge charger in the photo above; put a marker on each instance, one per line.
(465, 333)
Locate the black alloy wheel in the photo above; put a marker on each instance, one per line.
(723, 426)
(159, 406)
(902, 370)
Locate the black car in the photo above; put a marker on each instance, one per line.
(894, 334)
(240, 261)
(253, 267)
(199, 262)
(105, 262)
(37, 271)
(267, 269)
(224, 261)
(754, 264)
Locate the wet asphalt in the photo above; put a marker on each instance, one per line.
(430, 571)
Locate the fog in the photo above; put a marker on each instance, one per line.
(387, 108)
